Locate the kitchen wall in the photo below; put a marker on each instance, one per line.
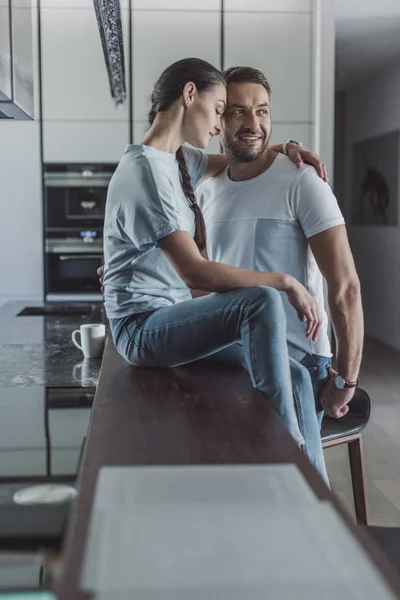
(372, 109)
(292, 41)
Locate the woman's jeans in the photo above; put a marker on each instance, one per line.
(244, 327)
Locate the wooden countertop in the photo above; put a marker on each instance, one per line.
(197, 414)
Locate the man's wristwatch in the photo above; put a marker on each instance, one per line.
(342, 384)
(285, 150)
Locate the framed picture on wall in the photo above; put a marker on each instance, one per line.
(375, 171)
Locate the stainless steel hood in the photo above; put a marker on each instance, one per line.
(16, 60)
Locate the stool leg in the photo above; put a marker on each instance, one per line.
(357, 469)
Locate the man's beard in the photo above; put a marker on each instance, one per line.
(237, 153)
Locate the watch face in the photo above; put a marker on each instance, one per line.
(339, 382)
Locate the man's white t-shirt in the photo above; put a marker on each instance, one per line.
(263, 224)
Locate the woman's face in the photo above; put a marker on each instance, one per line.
(203, 116)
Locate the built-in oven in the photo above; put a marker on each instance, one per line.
(75, 197)
(72, 262)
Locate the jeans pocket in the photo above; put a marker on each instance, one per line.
(323, 366)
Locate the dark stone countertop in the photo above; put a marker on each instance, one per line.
(38, 350)
(46, 394)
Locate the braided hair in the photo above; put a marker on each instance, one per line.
(167, 90)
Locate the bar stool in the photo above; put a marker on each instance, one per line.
(348, 430)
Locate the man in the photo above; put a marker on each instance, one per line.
(264, 213)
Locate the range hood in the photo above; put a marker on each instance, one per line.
(16, 60)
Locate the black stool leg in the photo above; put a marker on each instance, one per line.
(357, 468)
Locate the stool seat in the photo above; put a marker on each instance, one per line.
(352, 423)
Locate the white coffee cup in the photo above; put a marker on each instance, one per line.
(92, 339)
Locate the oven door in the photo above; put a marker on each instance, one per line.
(75, 208)
(73, 273)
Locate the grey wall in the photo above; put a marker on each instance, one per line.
(373, 109)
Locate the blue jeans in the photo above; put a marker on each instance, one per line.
(206, 326)
(308, 378)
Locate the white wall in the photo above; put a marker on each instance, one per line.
(21, 264)
(373, 108)
(340, 150)
(323, 60)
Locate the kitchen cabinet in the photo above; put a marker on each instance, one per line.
(68, 426)
(22, 431)
(160, 38)
(269, 5)
(84, 141)
(264, 41)
(75, 4)
(81, 121)
(139, 127)
(176, 5)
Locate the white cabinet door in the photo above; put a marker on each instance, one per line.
(176, 5)
(75, 4)
(269, 5)
(84, 141)
(139, 129)
(74, 76)
(262, 40)
(22, 417)
(64, 461)
(68, 426)
(161, 38)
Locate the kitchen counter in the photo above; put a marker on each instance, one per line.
(38, 350)
(47, 390)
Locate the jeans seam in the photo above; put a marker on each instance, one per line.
(253, 370)
(296, 397)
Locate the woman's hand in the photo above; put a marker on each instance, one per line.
(306, 307)
(300, 155)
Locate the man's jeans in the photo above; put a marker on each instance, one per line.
(211, 327)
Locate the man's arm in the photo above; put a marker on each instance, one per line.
(333, 255)
(332, 252)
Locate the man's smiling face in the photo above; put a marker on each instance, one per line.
(246, 123)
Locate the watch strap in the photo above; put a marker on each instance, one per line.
(290, 141)
(346, 385)
(350, 384)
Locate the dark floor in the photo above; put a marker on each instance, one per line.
(380, 377)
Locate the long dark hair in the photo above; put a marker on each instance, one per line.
(167, 90)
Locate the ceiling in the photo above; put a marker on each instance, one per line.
(367, 38)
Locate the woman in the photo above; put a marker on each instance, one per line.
(154, 244)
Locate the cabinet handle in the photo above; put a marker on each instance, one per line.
(78, 256)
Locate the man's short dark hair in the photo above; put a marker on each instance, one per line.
(246, 75)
